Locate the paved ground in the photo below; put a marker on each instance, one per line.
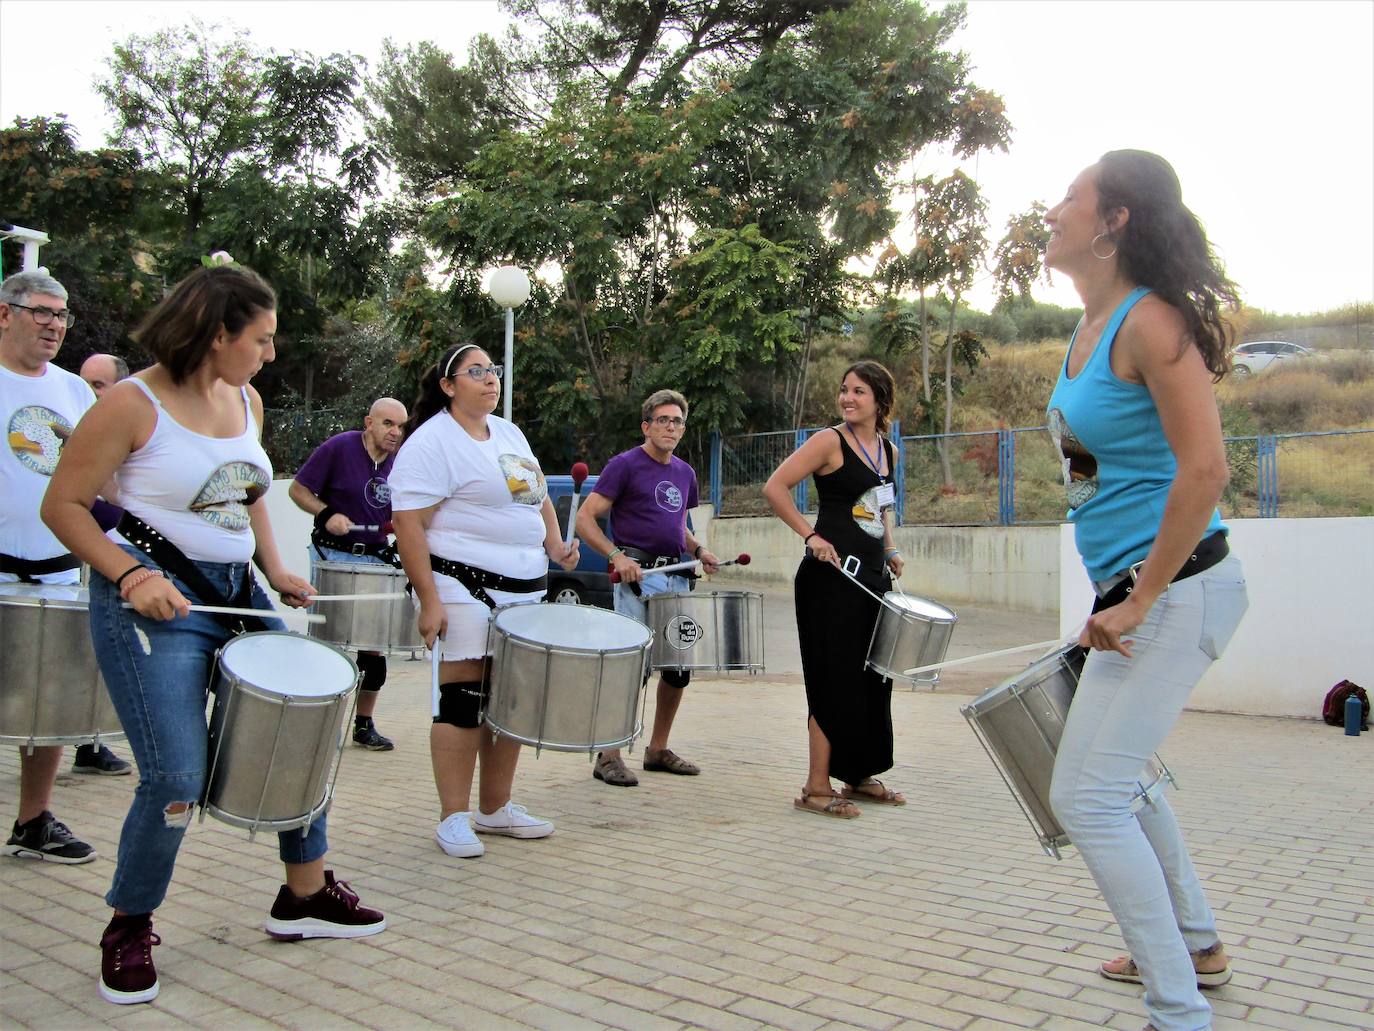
(709, 902)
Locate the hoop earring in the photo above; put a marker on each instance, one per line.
(1093, 247)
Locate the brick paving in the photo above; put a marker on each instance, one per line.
(708, 902)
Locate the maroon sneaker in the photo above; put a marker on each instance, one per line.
(126, 960)
(332, 912)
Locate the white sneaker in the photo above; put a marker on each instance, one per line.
(456, 838)
(512, 820)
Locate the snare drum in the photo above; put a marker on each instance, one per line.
(911, 632)
(385, 625)
(1020, 722)
(566, 677)
(713, 630)
(51, 691)
(276, 731)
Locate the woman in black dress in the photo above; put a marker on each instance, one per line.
(849, 706)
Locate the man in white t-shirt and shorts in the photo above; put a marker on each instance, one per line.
(40, 405)
(648, 491)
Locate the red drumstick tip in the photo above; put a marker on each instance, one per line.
(579, 473)
(743, 560)
(388, 527)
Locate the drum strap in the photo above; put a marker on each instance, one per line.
(323, 539)
(476, 579)
(28, 571)
(171, 558)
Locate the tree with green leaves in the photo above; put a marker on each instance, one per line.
(1020, 254)
(694, 174)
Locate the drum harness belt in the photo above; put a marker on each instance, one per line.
(648, 560)
(324, 539)
(1116, 589)
(170, 558)
(477, 579)
(28, 570)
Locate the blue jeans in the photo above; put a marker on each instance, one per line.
(627, 603)
(1122, 711)
(158, 676)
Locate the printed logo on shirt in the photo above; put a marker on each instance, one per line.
(377, 493)
(524, 479)
(668, 496)
(36, 436)
(1077, 462)
(224, 499)
(868, 513)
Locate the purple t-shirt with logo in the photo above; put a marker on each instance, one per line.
(343, 475)
(649, 501)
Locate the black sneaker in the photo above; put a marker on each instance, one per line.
(366, 735)
(332, 912)
(127, 974)
(45, 837)
(90, 759)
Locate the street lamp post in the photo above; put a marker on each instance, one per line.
(509, 288)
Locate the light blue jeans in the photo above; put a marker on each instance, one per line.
(158, 676)
(1122, 711)
(627, 603)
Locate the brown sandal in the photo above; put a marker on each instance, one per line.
(887, 797)
(836, 806)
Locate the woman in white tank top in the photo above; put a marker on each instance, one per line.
(180, 442)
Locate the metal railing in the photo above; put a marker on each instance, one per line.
(1012, 476)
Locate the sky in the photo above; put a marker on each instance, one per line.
(1264, 107)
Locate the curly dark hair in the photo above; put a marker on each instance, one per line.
(881, 382)
(1163, 246)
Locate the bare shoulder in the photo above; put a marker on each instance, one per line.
(1154, 334)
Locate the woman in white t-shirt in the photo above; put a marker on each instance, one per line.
(475, 529)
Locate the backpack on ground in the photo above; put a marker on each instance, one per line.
(1333, 709)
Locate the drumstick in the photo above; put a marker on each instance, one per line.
(384, 596)
(369, 527)
(979, 658)
(225, 610)
(579, 474)
(434, 675)
(677, 567)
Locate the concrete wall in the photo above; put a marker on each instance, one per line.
(1011, 566)
(1310, 623)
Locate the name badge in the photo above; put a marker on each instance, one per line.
(887, 495)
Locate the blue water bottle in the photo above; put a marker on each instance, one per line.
(1354, 715)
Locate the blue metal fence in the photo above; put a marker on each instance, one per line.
(1013, 476)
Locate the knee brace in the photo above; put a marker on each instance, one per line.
(373, 669)
(676, 677)
(460, 702)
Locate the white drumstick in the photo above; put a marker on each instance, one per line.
(224, 610)
(979, 658)
(579, 474)
(383, 596)
(369, 527)
(677, 567)
(434, 675)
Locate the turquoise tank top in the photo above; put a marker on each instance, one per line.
(1118, 466)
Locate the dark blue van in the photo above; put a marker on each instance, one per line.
(589, 583)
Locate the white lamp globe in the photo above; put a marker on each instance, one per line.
(509, 286)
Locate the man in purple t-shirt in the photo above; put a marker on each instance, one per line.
(649, 491)
(343, 484)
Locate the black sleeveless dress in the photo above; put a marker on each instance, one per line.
(835, 619)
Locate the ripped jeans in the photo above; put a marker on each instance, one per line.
(158, 676)
(1122, 710)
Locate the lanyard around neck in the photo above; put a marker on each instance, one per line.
(874, 465)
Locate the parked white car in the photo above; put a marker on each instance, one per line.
(1258, 355)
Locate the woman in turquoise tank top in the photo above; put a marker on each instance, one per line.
(1138, 430)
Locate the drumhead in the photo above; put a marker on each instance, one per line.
(288, 664)
(29, 594)
(576, 627)
(920, 607)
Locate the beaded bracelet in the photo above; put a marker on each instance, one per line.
(614, 552)
(136, 579)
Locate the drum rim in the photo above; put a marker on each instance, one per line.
(568, 649)
(950, 617)
(703, 594)
(230, 674)
(374, 568)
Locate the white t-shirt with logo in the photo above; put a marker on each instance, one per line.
(490, 495)
(39, 414)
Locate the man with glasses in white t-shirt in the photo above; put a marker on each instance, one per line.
(40, 405)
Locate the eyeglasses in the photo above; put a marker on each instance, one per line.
(481, 372)
(43, 316)
(669, 420)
